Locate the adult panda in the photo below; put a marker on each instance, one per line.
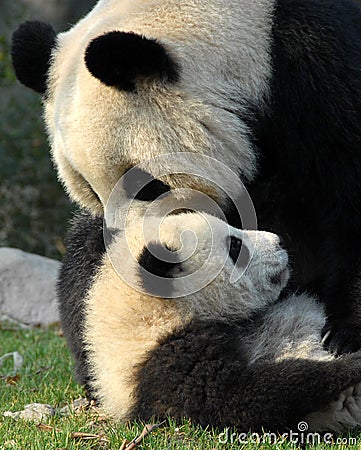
(226, 355)
(272, 88)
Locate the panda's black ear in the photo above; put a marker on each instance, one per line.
(118, 59)
(158, 260)
(158, 266)
(31, 49)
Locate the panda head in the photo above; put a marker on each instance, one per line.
(201, 266)
(136, 79)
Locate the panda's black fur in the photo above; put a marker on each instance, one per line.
(308, 188)
(85, 249)
(31, 49)
(141, 57)
(203, 371)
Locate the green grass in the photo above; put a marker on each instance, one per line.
(46, 377)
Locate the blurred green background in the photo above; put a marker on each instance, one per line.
(33, 207)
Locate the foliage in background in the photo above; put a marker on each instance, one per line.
(60, 13)
(33, 207)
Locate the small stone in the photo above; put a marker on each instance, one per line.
(77, 405)
(35, 412)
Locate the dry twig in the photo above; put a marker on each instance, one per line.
(45, 427)
(146, 431)
(88, 436)
(80, 435)
(124, 445)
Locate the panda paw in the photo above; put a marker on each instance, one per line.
(340, 337)
(341, 415)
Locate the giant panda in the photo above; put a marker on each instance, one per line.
(226, 355)
(272, 88)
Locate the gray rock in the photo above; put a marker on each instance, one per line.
(36, 412)
(77, 406)
(27, 287)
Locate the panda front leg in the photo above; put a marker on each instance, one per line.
(85, 251)
(278, 395)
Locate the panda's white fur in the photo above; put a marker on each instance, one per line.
(98, 132)
(124, 324)
(290, 329)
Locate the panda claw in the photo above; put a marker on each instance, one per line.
(342, 338)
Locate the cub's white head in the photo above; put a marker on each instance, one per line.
(201, 264)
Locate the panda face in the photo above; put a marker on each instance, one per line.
(203, 266)
(137, 79)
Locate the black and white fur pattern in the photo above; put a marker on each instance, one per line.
(201, 356)
(270, 87)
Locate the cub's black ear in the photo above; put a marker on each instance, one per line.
(31, 48)
(158, 268)
(158, 260)
(118, 58)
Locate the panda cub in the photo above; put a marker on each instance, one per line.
(217, 346)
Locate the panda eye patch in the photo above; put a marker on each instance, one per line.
(141, 185)
(238, 252)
